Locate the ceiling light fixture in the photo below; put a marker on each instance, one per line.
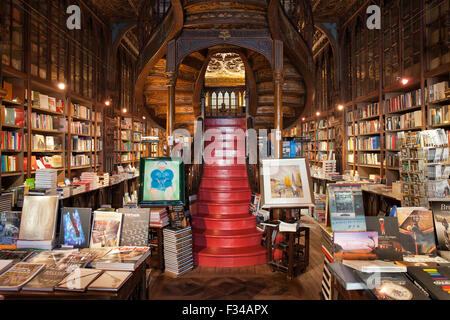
(107, 102)
(318, 113)
(340, 107)
(61, 85)
(124, 110)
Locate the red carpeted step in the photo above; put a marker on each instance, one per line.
(225, 196)
(230, 257)
(209, 208)
(225, 122)
(227, 144)
(251, 237)
(224, 183)
(211, 171)
(223, 222)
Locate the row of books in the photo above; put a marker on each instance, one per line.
(48, 122)
(394, 140)
(43, 101)
(80, 160)
(368, 127)
(351, 143)
(40, 142)
(13, 116)
(11, 140)
(80, 111)
(369, 143)
(323, 146)
(405, 121)
(82, 144)
(55, 161)
(437, 91)
(439, 115)
(392, 160)
(321, 135)
(369, 110)
(79, 127)
(9, 164)
(403, 101)
(369, 158)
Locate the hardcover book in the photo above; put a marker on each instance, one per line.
(38, 218)
(75, 260)
(47, 280)
(355, 245)
(75, 227)
(4, 265)
(79, 279)
(373, 266)
(9, 229)
(15, 255)
(106, 229)
(392, 286)
(50, 258)
(441, 214)
(135, 226)
(110, 281)
(435, 280)
(416, 231)
(346, 207)
(18, 275)
(122, 258)
(389, 247)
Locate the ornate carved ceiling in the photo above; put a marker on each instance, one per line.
(332, 10)
(225, 69)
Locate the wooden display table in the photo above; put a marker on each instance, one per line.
(296, 250)
(135, 288)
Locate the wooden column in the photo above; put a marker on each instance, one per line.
(171, 81)
(171, 76)
(278, 103)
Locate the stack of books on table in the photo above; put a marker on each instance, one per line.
(122, 259)
(91, 178)
(46, 179)
(103, 179)
(178, 256)
(158, 218)
(6, 201)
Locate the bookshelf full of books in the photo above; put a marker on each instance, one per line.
(48, 129)
(98, 137)
(13, 132)
(81, 137)
(424, 167)
(138, 132)
(126, 140)
(368, 133)
(320, 134)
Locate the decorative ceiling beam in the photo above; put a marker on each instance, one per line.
(133, 6)
(316, 4)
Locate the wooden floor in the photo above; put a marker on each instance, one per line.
(245, 283)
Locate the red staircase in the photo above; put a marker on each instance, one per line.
(224, 232)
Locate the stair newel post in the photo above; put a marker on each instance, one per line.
(278, 104)
(171, 77)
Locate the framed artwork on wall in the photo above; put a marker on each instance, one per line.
(161, 181)
(286, 183)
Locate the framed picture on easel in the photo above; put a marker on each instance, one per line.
(286, 183)
(161, 181)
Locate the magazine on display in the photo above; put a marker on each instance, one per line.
(18, 275)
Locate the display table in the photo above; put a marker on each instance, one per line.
(135, 288)
(295, 248)
(345, 286)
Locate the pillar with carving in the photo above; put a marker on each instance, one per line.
(170, 122)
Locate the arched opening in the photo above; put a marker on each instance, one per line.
(224, 86)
